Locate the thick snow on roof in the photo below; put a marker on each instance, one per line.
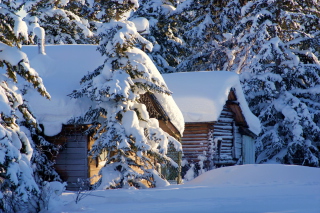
(61, 69)
(202, 95)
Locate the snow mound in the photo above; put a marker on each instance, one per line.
(259, 174)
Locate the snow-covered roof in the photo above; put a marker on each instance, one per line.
(202, 95)
(61, 69)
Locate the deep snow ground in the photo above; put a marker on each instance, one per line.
(268, 188)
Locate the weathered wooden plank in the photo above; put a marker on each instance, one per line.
(77, 144)
(196, 127)
(72, 168)
(195, 144)
(195, 140)
(226, 137)
(197, 150)
(74, 151)
(194, 147)
(194, 153)
(222, 126)
(79, 174)
(195, 130)
(225, 119)
(226, 113)
(69, 161)
(195, 136)
(223, 133)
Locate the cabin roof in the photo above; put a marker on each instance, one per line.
(61, 69)
(202, 95)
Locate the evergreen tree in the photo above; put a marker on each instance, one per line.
(169, 48)
(23, 166)
(120, 123)
(64, 22)
(206, 27)
(276, 54)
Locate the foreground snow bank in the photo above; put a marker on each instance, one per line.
(237, 189)
(257, 174)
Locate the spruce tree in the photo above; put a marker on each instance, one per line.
(169, 48)
(206, 27)
(120, 123)
(276, 54)
(23, 166)
(64, 22)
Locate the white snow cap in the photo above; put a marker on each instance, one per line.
(202, 95)
(62, 69)
(142, 25)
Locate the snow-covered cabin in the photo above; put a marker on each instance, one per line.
(61, 69)
(218, 123)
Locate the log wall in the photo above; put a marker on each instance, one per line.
(225, 128)
(195, 141)
(196, 137)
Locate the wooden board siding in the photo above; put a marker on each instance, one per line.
(72, 161)
(248, 150)
(233, 105)
(195, 141)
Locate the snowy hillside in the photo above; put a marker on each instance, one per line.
(237, 189)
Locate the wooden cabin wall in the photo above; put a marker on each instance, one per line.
(195, 141)
(231, 146)
(72, 161)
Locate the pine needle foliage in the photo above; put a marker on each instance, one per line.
(120, 123)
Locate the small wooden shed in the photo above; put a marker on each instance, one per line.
(73, 162)
(61, 70)
(219, 127)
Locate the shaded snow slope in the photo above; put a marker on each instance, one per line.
(202, 95)
(262, 188)
(61, 69)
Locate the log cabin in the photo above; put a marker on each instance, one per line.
(219, 126)
(61, 69)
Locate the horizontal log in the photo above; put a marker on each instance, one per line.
(226, 140)
(202, 126)
(226, 137)
(196, 130)
(195, 136)
(225, 119)
(223, 124)
(194, 147)
(200, 140)
(226, 112)
(227, 145)
(227, 133)
(198, 144)
(218, 130)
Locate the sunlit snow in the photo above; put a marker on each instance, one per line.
(259, 188)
